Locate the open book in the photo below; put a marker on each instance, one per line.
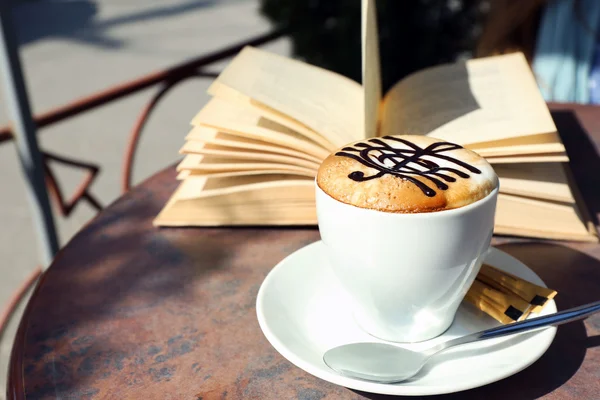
(254, 149)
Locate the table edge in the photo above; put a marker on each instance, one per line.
(15, 384)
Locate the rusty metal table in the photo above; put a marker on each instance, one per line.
(129, 311)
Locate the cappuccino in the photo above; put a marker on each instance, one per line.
(406, 222)
(406, 174)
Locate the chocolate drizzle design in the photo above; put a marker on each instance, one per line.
(407, 163)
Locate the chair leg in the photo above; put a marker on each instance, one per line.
(25, 137)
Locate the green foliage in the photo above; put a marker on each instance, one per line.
(413, 34)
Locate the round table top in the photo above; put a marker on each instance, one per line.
(128, 310)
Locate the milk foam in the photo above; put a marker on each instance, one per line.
(375, 173)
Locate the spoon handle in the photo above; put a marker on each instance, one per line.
(559, 318)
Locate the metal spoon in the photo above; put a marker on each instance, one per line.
(385, 363)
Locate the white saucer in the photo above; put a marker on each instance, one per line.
(303, 312)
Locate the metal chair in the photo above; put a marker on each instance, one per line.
(42, 184)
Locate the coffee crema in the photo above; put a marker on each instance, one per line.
(406, 174)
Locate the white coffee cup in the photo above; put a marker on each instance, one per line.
(407, 273)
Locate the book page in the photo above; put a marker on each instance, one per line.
(546, 181)
(533, 149)
(181, 175)
(481, 100)
(195, 140)
(213, 164)
(206, 187)
(187, 174)
(246, 169)
(224, 114)
(541, 219)
(371, 69)
(531, 144)
(284, 202)
(261, 133)
(236, 99)
(529, 140)
(526, 158)
(326, 102)
(244, 155)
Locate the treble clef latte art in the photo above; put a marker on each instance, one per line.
(406, 174)
(408, 162)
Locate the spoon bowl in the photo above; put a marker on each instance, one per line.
(375, 361)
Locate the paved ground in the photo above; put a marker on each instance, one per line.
(71, 48)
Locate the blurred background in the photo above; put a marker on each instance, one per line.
(74, 48)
